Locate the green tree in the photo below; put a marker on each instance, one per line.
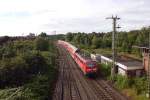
(107, 40)
(41, 44)
(95, 42)
(69, 36)
(8, 50)
(43, 34)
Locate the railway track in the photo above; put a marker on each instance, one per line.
(73, 85)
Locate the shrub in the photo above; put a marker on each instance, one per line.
(28, 68)
(41, 44)
(121, 81)
(140, 84)
(36, 62)
(105, 69)
(13, 72)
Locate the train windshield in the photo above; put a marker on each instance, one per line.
(91, 64)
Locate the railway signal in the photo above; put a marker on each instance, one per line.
(113, 69)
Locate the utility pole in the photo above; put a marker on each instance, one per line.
(148, 72)
(113, 69)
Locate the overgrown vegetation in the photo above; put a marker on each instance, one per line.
(105, 69)
(125, 40)
(27, 69)
(136, 85)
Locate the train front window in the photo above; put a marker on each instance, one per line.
(91, 65)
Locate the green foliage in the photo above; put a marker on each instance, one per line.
(29, 68)
(69, 36)
(41, 44)
(105, 69)
(95, 42)
(22, 67)
(13, 67)
(140, 85)
(43, 34)
(106, 41)
(124, 40)
(121, 81)
(8, 51)
(12, 49)
(23, 45)
(36, 89)
(80, 38)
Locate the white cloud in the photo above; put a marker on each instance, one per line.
(24, 16)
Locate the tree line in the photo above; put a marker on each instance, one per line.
(124, 40)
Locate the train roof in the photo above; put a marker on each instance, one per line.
(84, 58)
(80, 54)
(75, 49)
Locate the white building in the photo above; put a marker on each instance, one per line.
(124, 65)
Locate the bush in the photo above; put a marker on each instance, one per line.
(41, 44)
(28, 68)
(105, 69)
(140, 84)
(36, 62)
(23, 67)
(8, 51)
(121, 82)
(13, 72)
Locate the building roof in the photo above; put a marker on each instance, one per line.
(141, 47)
(125, 62)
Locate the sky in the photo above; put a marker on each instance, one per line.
(21, 17)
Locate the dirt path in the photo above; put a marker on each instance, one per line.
(73, 85)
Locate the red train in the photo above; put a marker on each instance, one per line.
(87, 65)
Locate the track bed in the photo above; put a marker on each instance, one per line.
(73, 85)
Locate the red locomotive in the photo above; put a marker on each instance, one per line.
(86, 64)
